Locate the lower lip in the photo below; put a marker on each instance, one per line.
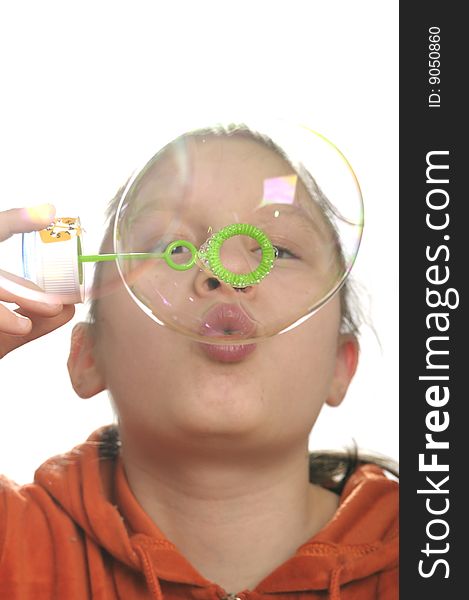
(228, 353)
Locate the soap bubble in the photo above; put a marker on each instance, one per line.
(238, 233)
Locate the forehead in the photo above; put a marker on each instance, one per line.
(206, 164)
(235, 174)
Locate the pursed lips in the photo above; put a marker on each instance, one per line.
(226, 321)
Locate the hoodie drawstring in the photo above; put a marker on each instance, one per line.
(151, 578)
(334, 584)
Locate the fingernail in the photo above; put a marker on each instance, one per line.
(42, 212)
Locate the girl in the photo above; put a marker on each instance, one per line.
(206, 488)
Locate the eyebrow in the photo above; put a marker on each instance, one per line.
(307, 219)
(285, 190)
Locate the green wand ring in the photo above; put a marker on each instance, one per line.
(209, 254)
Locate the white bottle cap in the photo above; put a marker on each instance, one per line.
(50, 259)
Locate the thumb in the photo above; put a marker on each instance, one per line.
(40, 326)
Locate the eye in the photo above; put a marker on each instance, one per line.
(180, 250)
(284, 253)
(280, 253)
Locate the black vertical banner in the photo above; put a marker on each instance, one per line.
(434, 265)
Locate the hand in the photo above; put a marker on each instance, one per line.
(31, 319)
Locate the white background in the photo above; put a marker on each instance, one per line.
(87, 85)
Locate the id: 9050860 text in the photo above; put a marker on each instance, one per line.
(434, 97)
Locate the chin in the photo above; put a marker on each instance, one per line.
(222, 413)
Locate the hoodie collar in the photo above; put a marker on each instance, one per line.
(361, 538)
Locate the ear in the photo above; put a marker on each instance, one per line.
(346, 365)
(82, 366)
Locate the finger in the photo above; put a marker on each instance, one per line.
(39, 327)
(17, 290)
(43, 325)
(24, 220)
(12, 323)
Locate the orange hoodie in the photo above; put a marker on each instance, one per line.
(78, 533)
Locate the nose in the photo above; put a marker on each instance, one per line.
(206, 285)
(231, 257)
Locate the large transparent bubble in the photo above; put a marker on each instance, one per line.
(224, 234)
(231, 234)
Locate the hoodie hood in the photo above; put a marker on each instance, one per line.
(361, 540)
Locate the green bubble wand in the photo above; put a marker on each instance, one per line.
(209, 255)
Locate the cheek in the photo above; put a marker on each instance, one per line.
(127, 345)
(309, 355)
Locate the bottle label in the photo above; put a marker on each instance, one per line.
(61, 230)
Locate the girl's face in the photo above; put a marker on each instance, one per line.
(172, 391)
